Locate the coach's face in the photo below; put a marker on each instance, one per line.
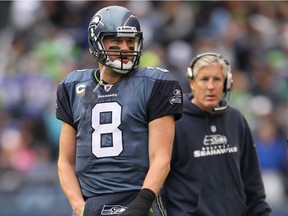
(207, 87)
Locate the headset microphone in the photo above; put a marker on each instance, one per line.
(220, 109)
(224, 106)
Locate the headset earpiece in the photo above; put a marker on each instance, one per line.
(190, 69)
(189, 73)
(228, 82)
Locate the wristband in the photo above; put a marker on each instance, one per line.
(141, 205)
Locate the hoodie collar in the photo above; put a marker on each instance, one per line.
(191, 108)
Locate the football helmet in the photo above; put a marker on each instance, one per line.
(115, 21)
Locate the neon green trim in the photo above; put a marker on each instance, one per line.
(158, 201)
(100, 83)
(83, 209)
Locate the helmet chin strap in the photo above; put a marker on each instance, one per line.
(100, 82)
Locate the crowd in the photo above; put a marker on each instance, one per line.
(42, 41)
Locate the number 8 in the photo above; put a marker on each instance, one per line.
(117, 145)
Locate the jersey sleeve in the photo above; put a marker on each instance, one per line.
(166, 98)
(63, 108)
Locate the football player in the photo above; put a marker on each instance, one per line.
(118, 123)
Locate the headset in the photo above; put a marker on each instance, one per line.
(228, 83)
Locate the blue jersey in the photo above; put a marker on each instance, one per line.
(112, 125)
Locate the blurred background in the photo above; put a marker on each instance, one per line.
(42, 41)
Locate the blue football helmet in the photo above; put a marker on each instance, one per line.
(115, 21)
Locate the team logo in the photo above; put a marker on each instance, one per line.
(96, 20)
(107, 87)
(112, 209)
(216, 139)
(80, 89)
(176, 98)
(215, 144)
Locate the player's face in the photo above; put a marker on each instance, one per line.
(118, 46)
(207, 87)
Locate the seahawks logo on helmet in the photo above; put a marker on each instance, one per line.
(95, 22)
(96, 19)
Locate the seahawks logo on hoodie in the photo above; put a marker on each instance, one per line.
(215, 139)
(215, 144)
